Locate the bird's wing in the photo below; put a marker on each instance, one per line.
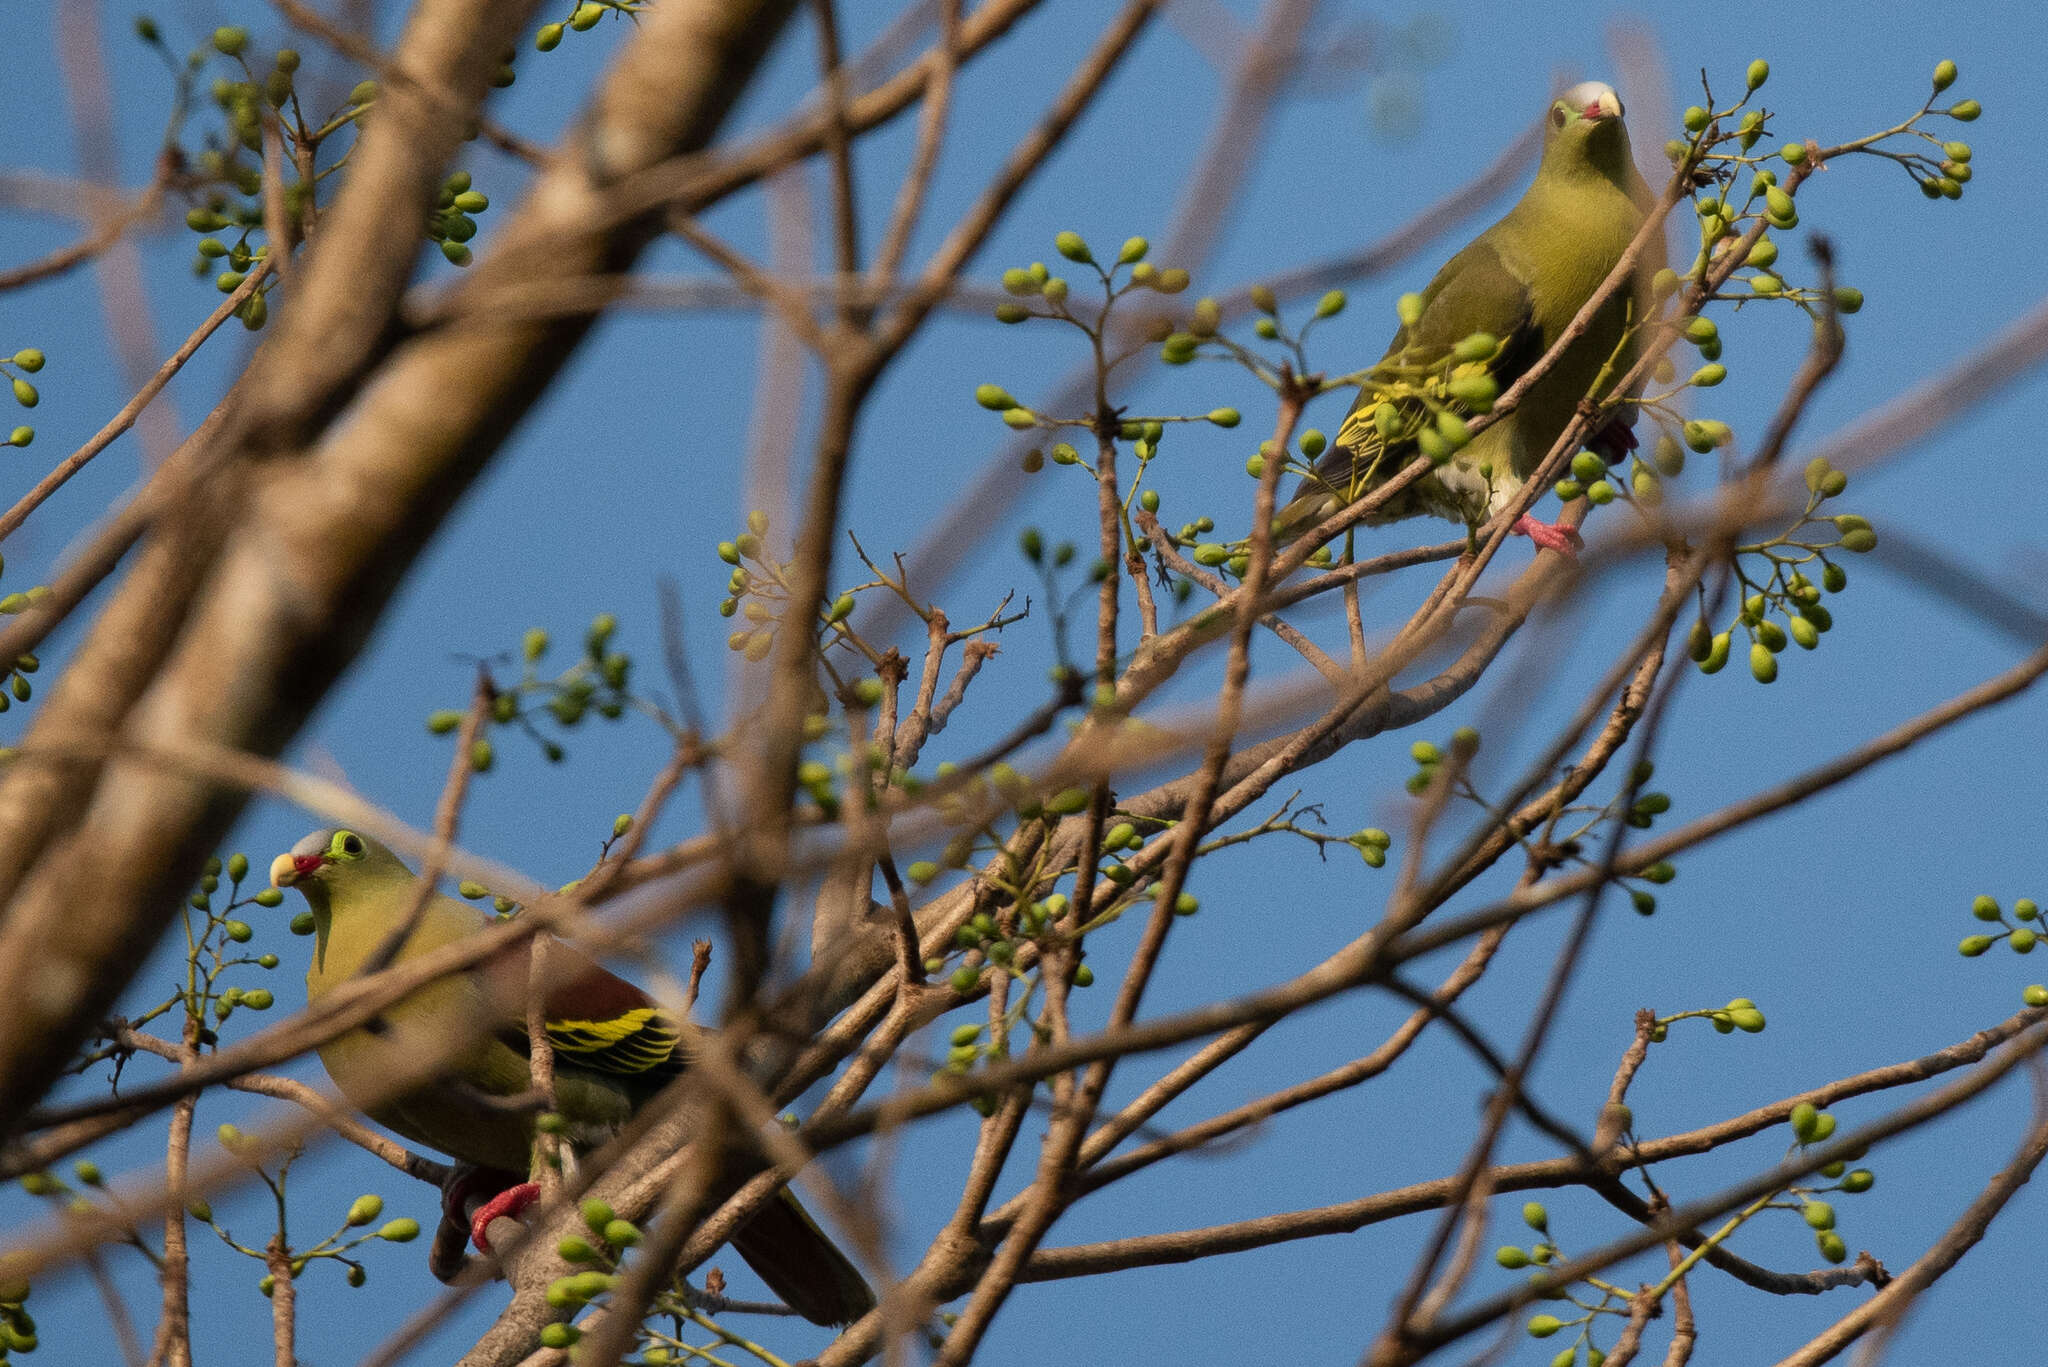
(1478, 290)
(595, 1019)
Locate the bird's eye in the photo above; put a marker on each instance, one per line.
(351, 844)
(1557, 116)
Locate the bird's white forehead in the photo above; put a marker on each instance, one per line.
(1588, 93)
(316, 843)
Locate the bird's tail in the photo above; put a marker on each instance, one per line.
(785, 1247)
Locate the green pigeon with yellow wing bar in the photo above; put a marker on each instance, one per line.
(1490, 314)
(614, 1048)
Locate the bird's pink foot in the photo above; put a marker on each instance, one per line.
(1551, 536)
(506, 1205)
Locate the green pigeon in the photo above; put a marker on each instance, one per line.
(614, 1048)
(1521, 282)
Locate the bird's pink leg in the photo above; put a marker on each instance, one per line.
(1550, 536)
(506, 1205)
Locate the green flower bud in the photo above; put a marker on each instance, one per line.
(1587, 467)
(548, 38)
(1330, 304)
(1453, 429)
(964, 979)
(1479, 346)
(1944, 75)
(1133, 251)
(230, 41)
(559, 1335)
(303, 923)
(1536, 1217)
(1543, 1326)
(1600, 493)
(1848, 299)
(1965, 111)
(1172, 280)
(622, 1233)
(1054, 291)
(21, 436)
(994, 397)
(1072, 246)
(365, 1209)
(1759, 72)
(1707, 376)
(2022, 940)
(1476, 391)
(1511, 1258)
(1779, 209)
(1409, 309)
(586, 16)
(1695, 118)
(1859, 540)
(25, 393)
(1763, 665)
(1818, 1215)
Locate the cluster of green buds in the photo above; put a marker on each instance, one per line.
(598, 681)
(968, 1045)
(1372, 845)
(997, 937)
(758, 590)
(583, 18)
(339, 1247)
(1781, 587)
(1536, 1257)
(502, 908)
(598, 1256)
(2021, 935)
(1811, 1125)
(17, 1326)
(1739, 1014)
(1200, 334)
(1050, 292)
(227, 180)
(14, 681)
(453, 222)
(1429, 758)
(1722, 143)
(213, 946)
(17, 368)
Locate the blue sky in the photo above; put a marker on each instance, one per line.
(1839, 918)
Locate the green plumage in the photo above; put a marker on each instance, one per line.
(614, 1048)
(1522, 280)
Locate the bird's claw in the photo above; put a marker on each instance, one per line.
(506, 1205)
(1551, 536)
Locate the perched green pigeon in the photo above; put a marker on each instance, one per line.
(1520, 282)
(614, 1048)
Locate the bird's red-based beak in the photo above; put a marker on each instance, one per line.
(1596, 111)
(289, 869)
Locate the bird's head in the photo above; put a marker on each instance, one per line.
(334, 860)
(1584, 130)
